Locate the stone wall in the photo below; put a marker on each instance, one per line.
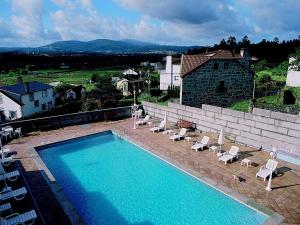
(201, 85)
(55, 122)
(260, 129)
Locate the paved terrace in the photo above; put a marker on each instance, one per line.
(284, 199)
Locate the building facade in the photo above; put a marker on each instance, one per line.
(25, 99)
(293, 76)
(170, 76)
(217, 78)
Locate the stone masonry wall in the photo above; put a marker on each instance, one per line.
(200, 86)
(260, 129)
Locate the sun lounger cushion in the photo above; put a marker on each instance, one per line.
(24, 218)
(18, 194)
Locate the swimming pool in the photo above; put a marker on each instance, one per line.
(112, 181)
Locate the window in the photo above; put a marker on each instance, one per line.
(225, 66)
(12, 114)
(216, 66)
(44, 106)
(36, 103)
(44, 93)
(221, 87)
(1, 99)
(31, 97)
(50, 105)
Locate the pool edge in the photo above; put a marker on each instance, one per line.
(273, 217)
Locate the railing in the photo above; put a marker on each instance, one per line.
(54, 122)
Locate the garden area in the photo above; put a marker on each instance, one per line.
(270, 90)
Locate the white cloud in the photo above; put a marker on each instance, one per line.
(27, 17)
(186, 22)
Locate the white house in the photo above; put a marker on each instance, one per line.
(130, 72)
(170, 76)
(293, 76)
(25, 99)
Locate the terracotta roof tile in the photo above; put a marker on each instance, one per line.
(191, 62)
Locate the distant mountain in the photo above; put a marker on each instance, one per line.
(104, 46)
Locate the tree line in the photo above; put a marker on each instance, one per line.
(274, 52)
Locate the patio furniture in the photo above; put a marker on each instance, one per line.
(202, 144)
(267, 169)
(18, 194)
(12, 176)
(6, 161)
(8, 129)
(178, 136)
(246, 162)
(143, 121)
(5, 207)
(27, 218)
(186, 124)
(4, 151)
(168, 132)
(188, 139)
(230, 155)
(137, 113)
(213, 148)
(18, 132)
(160, 127)
(4, 135)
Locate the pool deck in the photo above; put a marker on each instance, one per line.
(283, 200)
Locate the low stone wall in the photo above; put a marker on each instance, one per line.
(260, 129)
(54, 122)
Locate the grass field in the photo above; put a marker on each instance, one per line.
(47, 76)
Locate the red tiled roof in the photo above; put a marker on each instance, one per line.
(191, 62)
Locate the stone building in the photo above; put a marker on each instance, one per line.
(217, 78)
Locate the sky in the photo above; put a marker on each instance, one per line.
(32, 23)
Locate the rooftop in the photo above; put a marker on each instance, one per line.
(283, 199)
(23, 88)
(191, 62)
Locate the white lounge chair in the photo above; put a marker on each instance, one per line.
(179, 135)
(4, 152)
(230, 155)
(143, 121)
(267, 169)
(202, 144)
(27, 218)
(160, 127)
(5, 207)
(18, 194)
(6, 161)
(12, 176)
(137, 113)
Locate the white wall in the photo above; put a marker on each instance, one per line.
(293, 77)
(170, 76)
(8, 105)
(29, 108)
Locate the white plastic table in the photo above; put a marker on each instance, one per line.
(246, 162)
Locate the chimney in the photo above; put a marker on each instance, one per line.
(245, 53)
(26, 87)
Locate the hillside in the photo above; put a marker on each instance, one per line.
(104, 46)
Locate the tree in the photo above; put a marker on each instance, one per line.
(105, 93)
(276, 40)
(245, 43)
(231, 42)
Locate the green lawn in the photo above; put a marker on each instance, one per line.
(51, 75)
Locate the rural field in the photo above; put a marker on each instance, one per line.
(52, 75)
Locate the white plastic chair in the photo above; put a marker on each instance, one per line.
(267, 169)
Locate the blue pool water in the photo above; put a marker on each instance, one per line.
(113, 182)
